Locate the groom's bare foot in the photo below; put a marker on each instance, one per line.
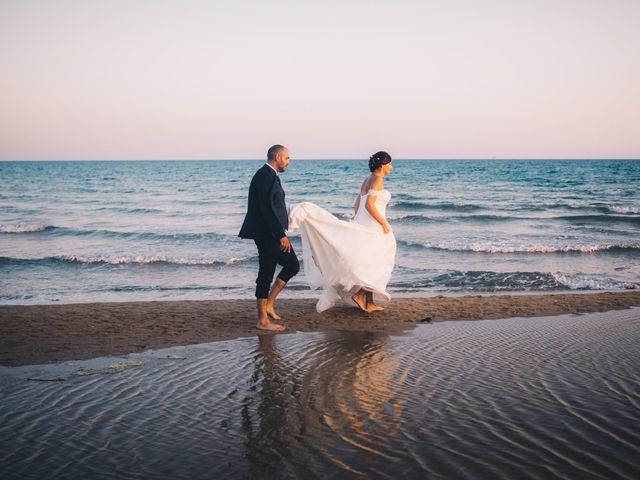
(272, 313)
(359, 299)
(267, 324)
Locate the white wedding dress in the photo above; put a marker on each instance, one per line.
(341, 257)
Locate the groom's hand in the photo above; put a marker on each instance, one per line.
(285, 244)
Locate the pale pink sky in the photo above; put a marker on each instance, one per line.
(97, 79)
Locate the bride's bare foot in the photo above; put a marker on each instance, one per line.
(359, 299)
(269, 325)
(374, 308)
(272, 313)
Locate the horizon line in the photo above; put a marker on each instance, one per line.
(310, 159)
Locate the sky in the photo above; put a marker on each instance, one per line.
(217, 79)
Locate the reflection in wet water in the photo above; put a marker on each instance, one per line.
(340, 385)
(535, 398)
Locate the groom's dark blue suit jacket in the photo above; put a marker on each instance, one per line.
(267, 212)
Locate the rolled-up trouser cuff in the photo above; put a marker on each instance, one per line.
(269, 256)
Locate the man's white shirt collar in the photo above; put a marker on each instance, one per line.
(272, 168)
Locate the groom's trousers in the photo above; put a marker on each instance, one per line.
(270, 255)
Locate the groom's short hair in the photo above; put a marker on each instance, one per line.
(273, 151)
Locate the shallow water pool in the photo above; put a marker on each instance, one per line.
(553, 397)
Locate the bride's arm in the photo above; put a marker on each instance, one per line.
(356, 206)
(373, 211)
(376, 186)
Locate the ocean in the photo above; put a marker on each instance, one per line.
(167, 230)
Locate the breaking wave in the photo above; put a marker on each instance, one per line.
(487, 247)
(19, 228)
(135, 235)
(124, 260)
(575, 219)
(444, 206)
(488, 281)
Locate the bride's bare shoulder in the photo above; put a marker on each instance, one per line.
(371, 183)
(375, 183)
(364, 188)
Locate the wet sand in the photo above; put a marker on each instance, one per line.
(36, 334)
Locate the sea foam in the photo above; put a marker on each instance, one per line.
(19, 228)
(490, 247)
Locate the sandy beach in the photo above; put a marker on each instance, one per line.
(52, 333)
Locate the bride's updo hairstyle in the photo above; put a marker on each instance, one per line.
(378, 159)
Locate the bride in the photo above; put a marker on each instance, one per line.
(350, 259)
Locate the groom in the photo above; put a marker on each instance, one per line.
(265, 223)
